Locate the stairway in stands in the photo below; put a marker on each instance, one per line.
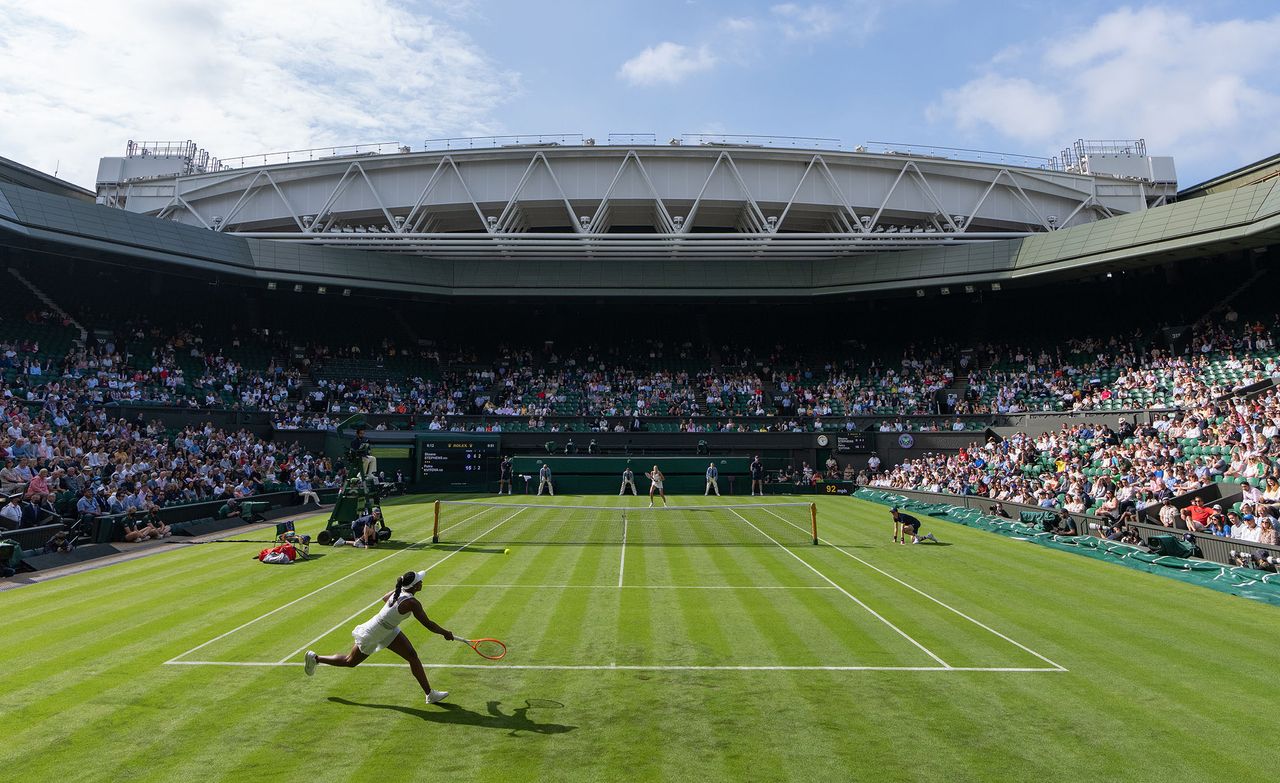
(49, 303)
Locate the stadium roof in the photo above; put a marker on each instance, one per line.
(15, 173)
(1243, 218)
(1253, 173)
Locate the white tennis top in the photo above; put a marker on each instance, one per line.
(389, 616)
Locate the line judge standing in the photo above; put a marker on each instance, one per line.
(757, 477)
(544, 480)
(628, 480)
(713, 475)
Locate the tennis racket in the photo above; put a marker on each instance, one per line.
(486, 648)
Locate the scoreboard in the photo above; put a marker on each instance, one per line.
(458, 462)
(853, 443)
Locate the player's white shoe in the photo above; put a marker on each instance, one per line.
(359, 544)
(310, 666)
(930, 537)
(915, 540)
(436, 696)
(339, 542)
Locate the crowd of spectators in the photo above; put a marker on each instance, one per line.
(67, 458)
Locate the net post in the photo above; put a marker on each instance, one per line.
(435, 528)
(813, 517)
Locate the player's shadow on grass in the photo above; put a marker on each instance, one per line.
(455, 714)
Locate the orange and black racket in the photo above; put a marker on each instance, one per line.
(492, 649)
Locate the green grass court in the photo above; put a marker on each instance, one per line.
(682, 645)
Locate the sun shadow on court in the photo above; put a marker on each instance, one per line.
(456, 714)
(484, 550)
(395, 545)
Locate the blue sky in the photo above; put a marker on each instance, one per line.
(1200, 81)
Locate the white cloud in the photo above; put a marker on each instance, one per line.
(745, 40)
(1195, 89)
(79, 79)
(666, 63)
(800, 22)
(1018, 108)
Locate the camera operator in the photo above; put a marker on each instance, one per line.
(1066, 526)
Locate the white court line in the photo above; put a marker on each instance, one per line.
(848, 595)
(313, 592)
(361, 611)
(645, 668)
(1019, 645)
(640, 587)
(622, 559)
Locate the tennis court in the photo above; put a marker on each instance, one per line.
(715, 587)
(710, 643)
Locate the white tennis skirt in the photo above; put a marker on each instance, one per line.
(657, 485)
(371, 636)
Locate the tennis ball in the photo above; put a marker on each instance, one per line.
(506, 551)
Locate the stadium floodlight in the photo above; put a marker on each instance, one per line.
(969, 289)
(346, 292)
(995, 286)
(322, 290)
(772, 220)
(271, 285)
(297, 289)
(920, 292)
(1053, 220)
(944, 291)
(492, 220)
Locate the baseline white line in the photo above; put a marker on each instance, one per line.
(622, 561)
(641, 587)
(978, 623)
(647, 668)
(847, 594)
(220, 637)
(361, 611)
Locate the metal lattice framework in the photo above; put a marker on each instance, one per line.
(633, 202)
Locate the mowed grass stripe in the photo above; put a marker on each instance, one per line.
(807, 627)
(568, 624)
(957, 641)
(701, 619)
(964, 575)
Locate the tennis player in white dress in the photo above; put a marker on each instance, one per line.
(383, 630)
(655, 485)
